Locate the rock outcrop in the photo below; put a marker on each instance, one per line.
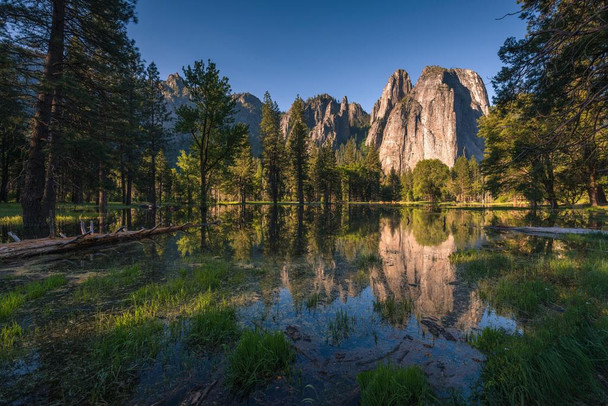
(397, 87)
(248, 111)
(330, 121)
(436, 119)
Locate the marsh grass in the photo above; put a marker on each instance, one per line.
(9, 335)
(562, 298)
(257, 358)
(481, 264)
(11, 301)
(313, 301)
(100, 286)
(125, 342)
(393, 311)
(524, 296)
(388, 385)
(212, 328)
(340, 327)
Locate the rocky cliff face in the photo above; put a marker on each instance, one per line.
(397, 87)
(330, 121)
(248, 111)
(437, 118)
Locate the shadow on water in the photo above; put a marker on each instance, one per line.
(386, 271)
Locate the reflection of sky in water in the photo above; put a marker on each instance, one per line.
(350, 258)
(491, 319)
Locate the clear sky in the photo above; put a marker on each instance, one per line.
(337, 47)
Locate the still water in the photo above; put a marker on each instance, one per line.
(303, 268)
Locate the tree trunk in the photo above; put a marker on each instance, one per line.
(34, 218)
(102, 199)
(129, 187)
(5, 168)
(595, 190)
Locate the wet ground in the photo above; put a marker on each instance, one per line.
(296, 272)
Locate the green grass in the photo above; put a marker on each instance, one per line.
(9, 334)
(340, 327)
(524, 296)
(97, 287)
(388, 385)
(212, 328)
(395, 312)
(313, 301)
(481, 264)
(126, 341)
(257, 359)
(561, 297)
(11, 301)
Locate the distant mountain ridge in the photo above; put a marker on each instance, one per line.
(436, 118)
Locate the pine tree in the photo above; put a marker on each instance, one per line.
(298, 147)
(155, 116)
(273, 148)
(209, 121)
(48, 28)
(241, 174)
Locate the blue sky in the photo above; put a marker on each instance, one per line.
(344, 48)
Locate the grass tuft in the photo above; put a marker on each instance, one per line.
(212, 328)
(9, 334)
(257, 358)
(387, 385)
(395, 312)
(340, 327)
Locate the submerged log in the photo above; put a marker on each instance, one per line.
(43, 246)
(549, 231)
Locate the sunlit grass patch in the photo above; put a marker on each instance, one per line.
(9, 335)
(388, 385)
(257, 359)
(125, 342)
(479, 264)
(13, 300)
(340, 327)
(524, 296)
(99, 286)
(396, 312)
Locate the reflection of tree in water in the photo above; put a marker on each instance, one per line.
(429, 228)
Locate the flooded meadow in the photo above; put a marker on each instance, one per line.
(286, 305)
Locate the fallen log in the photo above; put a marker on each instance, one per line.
(549, 231)
(43, 246)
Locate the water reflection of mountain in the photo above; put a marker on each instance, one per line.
(416, 265)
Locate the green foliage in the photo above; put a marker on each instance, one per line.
(241, 174)
(298, 147)
(96, 287)
(13, 300)
(564, 341)
(212, 327)
(257, 359)
(431, 178)
(9, 335)
(388, 385)
(209, 120)
(273, 148)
